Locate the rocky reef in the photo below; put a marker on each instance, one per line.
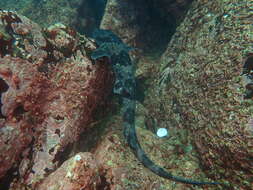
(50, 91)
(45, 12)
(201, 90)
(151, 21)
(204, 90)
(144, 24)
(51, 94)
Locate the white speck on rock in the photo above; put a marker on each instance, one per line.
(69, 174)
(78, 157)
(162, 132)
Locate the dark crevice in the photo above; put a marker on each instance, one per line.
(13, 173)
(6, 47)
(6, 35)
(248, 65)
(248, 76)
(64, 155)
(18, 112)
(3, 88)
(60, 158)
(8, 178)
(58, 132)
(51, 150)
(47, 170)
(158, 31)
(104, 185)
(90, 12)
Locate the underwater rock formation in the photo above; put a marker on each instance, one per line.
(82, 15)
(45, 12)
(50, 92)
(203, 87)
(117, 18)
(144, 24)
(140, 23)
(79, 172)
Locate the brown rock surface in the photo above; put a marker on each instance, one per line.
(203, 87)
(200, 99)
(79, 172)
(126, 19)
(50, 91)
(143, 23)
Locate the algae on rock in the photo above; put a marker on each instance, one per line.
(204, 62)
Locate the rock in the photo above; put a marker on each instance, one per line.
(79, 172)
(126, 19)
(50, 91)
(124, 171)
(45, 12)
(205, 91)
(144, 24)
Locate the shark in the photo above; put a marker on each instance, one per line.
(112, 47)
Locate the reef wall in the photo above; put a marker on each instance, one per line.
(144, 24)
(45, 12)
(50, 93)
(205, 87)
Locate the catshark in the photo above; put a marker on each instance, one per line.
(112, 47)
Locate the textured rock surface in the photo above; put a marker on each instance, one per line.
(79, 172)
(203, 87)
(82, 15)
(200, 100)
(140, 23)
(123, 171)
(50, 91)
(144, 23)
(45, 12)
(126, 19)
(15, 130)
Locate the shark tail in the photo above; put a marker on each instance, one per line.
(128, 109)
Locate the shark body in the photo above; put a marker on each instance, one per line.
(111, 46)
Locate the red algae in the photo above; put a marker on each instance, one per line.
(52, 92)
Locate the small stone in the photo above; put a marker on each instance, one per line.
(162, 132)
